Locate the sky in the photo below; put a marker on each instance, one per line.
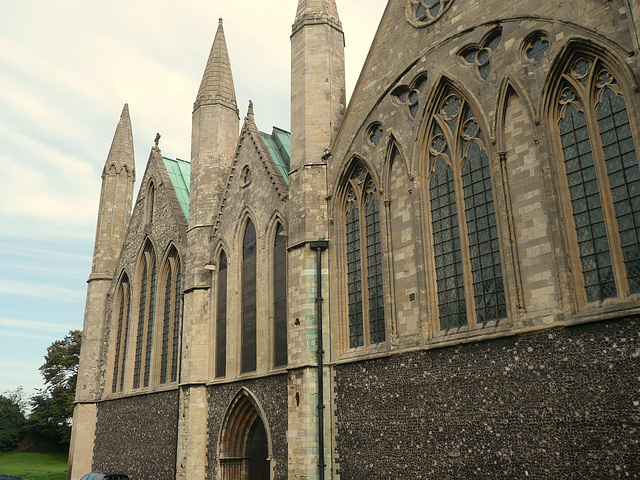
(67, 67)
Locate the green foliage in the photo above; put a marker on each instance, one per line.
(11, 419)
(52, 408)
(35, 466)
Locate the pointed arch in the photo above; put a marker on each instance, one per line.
(121, 309)
(277, 234)
(244, 441)
(467, 274)
(509, 86)
(358, 203)
(222, 263)
(248, 327)
(595, 139)
(146, 283)
(170, 314)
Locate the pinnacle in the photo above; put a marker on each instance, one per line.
(121, 152)
(217, 81)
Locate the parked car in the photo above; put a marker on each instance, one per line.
(105, 476)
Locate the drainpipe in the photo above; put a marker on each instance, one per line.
(319, 247)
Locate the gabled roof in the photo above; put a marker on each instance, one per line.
(180, 175)
(279, 144)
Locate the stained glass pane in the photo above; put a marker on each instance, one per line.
(166, 317)
(221, 318)
(446, 243)
(615, 132)
(374, 271)
(248, 347)
(127, 296)
(280, 297)
(121, 296)
(354, 280)
(141, 318)
(150, 318)
(592, 236)
(484, 248)
(177, 317)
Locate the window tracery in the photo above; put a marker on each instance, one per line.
(463, 222)
(602, 178)
(537, 46)
(221, 317)
(364, 282)
(409, 95)
(480, 54)
(280, 297)
(421, 13)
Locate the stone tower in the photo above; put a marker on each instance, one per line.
(215, 127)
(317, 109)
(114, 213)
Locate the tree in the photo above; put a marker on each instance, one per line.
(52, 407)
(11, 419)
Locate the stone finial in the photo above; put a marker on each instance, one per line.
(157, 139)
(250, 109)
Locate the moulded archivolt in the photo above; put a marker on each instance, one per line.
(421, 13)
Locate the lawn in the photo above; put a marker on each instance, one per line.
(35, 465)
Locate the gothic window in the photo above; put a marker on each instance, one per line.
(221, 317)
(248, 346)
(480, 54)
(146, 312)
(366, 320)
(463, 222)
(171, 319)
(537, 46)
(122, 330)
(602, 178)
(280, 297)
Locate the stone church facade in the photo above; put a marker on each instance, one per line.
(439, 280)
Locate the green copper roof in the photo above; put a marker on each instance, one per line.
(180, 174)
(279, 143)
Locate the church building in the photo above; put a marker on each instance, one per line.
(438, 280)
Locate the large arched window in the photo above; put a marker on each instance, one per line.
(146, 312)
(364, 262)
(466, 251)
(602, 179)
(248, 346)
(280, 297)
(221, 317)
(122, 330)
(171, 318)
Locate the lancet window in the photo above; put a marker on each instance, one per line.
(221, 317)
(146, 312)
(249, 253)
(602, 178)
(122, 331)
(171, 316)
(366, 319)
(280, 297)
(466, 250)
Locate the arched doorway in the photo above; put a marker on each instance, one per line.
(244, 441)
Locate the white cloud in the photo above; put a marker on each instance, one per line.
(41, 290)
(33, 325)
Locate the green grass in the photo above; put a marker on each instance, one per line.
(35, 465)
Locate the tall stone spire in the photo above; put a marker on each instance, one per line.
(116, 199)
(315, 8)
(215, 127)
(217, 81)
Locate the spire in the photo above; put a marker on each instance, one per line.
(314, 9)
(217, 81)
(121, 152)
